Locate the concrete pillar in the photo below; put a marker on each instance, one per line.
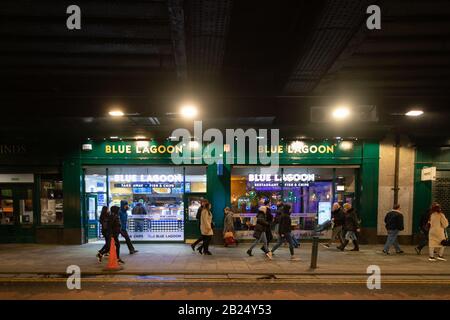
(386, 184)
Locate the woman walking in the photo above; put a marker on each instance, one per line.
(104, 218)
(438, 224)
(206, 228)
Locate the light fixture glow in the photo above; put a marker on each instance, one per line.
(140, 137)
(116, 113)
(414, 113)
(297, 146)
(341, 113)
(114, 137)
(346, 145)
(188, 111)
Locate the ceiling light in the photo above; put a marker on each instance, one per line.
(414, 113)
(341, 113)
(188, 111)
(116, 113)
(140, 137)
(346, 145)
(114, 137)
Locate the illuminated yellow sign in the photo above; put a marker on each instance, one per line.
(297, 148)
(141, 149)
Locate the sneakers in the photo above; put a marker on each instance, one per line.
(207, 253)
(120, 261)
(193, 247)
(432, 259)
(386, 252)
(400, 252)
(99, 257)
(106, 254)
(441, 258)
(134, 251)
(249, 252)
(269, 255)
(417, 250)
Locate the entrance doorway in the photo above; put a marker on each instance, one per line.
(192, 202)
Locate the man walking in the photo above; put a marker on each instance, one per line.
(123, 223)
(394, 224)
(260, 233)
(337, 218)
(351, 227)
(285, 231)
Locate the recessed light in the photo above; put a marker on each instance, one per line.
(189, 111)
(341, 113)
(116, 113)
(114, 137)
(414, 113)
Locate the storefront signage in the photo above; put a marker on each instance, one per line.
(141, 148)
(12, 149)
(175, 178)
(304, 177)
(144, 185)
(428, 174)
(298, 147)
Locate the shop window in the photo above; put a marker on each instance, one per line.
(6, 206)
(51, 200)
(195, 180)
(308, 190)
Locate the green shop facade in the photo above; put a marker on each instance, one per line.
(54, 193)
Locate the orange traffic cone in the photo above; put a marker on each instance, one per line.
(113, 264)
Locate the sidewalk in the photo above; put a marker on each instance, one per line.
(160, 259)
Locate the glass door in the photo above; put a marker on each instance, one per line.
(92, 217)
(191, 205)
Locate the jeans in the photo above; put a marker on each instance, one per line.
(336, 233)
(262, 238)
(287, 237)
(124, 234)
(105, 248)
(392, 241)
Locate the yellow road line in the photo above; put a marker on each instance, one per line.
(267, 281)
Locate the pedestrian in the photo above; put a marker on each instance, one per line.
(424, 228)
(228, 227)
(124, 222)
(260, 232)
(115, 229)
(198, 217)
(284, 231)
(139, 208)
(351, 227)
(206, 227)
(394, 224)
(337, 219)
(438, 224)
(104, 219)
(270, 220)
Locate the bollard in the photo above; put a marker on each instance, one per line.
(314, 252)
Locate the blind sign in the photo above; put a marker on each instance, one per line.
(428, 174)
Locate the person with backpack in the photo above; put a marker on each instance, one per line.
(124, 222)
(114, 229)
(394, 224)
(104, 221)
(285, 231)
(260, 232)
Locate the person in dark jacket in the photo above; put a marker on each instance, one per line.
(284, 231)
(124, 222)
(260, 232)
(394, 224)
(104, 222)
(350, 227)
(424, 228)
(270, 221)
(337, 219)
(114, 229)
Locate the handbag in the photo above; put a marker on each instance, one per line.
(446, 241)
(228, 234)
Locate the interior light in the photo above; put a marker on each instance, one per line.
(116, 113)
(341, 113)
(114, 137)
(189, 111)
(414, 113)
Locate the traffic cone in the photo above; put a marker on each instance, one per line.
(113, 265)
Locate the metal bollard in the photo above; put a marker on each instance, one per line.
(314, 252)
